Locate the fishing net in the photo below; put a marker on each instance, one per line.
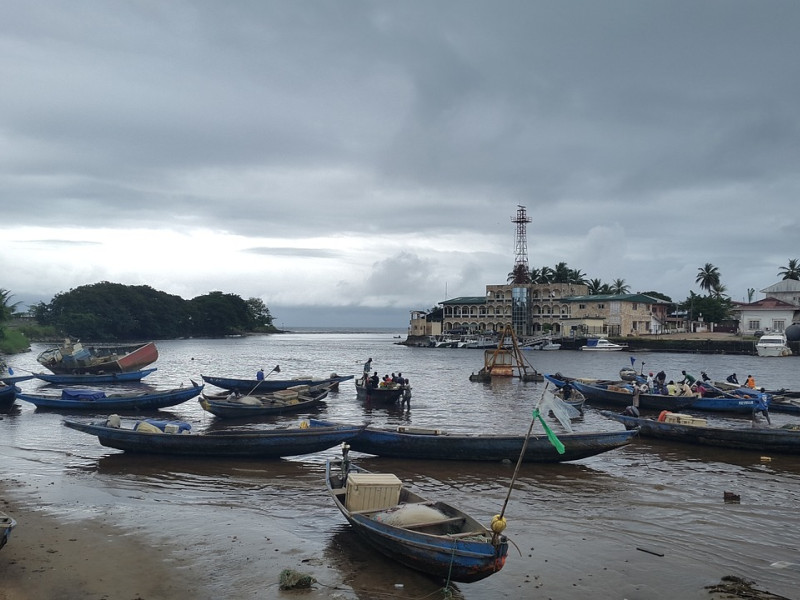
(560, 409)
(290, 579)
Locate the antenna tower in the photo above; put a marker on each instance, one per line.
(521, 249)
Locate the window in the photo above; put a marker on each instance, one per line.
(779, 325)
(581, 306)
(754, 324)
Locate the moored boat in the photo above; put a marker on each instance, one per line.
(618, 395)
(436, 444)
(94, 378)
(99, 401)
(76, 358)
(428, 536)
(7, 524)
(690, 430)
(383, 393)
(773, 344)
(8, 393)
(601, 345)
(252, 386)
(232, 405)
(256, 443)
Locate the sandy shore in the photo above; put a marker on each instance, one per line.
(50, 558)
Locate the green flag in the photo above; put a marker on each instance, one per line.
(550, 433)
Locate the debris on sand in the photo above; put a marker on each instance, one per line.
(290, 579)
(736, 587)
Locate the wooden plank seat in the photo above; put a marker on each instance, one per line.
(433, 523)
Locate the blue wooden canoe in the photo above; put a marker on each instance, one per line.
(99, 401)
(258, 405)
(435, 444)
(447, 544)
(8, 393)
(250, 386)
(7, 524)
(618, 395)
(94, 378)
(267, 443)
(784, 440)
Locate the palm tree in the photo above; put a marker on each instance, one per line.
(718, 291)
(6, 307)
(707, 277)
(791, 271)
(577, 277)
(596, 287)
(519, 275)
(619, 287)
(561, 273)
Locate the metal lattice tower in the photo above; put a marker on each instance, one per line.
(521, 249)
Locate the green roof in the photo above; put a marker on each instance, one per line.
(466, 300)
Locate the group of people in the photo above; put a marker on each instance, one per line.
(690, 386)
(375, 382)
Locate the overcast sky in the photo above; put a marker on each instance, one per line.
(349, 162)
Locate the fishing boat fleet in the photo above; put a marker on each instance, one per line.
(424, 534)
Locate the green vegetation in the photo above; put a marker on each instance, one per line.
(111, 311)
(11, 340)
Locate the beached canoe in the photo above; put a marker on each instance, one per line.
(257, 443)
(76, 358)
(428, 536)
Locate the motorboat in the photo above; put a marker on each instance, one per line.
(773, 344)
(602, 345)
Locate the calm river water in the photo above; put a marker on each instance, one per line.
(595, 528)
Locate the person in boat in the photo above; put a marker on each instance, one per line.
(732, 379)
(685, 389)
(375, 381)
(650, 382)
(672, 389)
(367, 367)
(761, 407)
(687, 379)
(750, 382)
(260, 375)
(566, 391)
(661, 382)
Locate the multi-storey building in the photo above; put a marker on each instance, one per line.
(560, 309)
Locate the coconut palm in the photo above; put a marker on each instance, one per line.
(596, 287)
(707, 277)
(619, 287)
(519, 274)
(791, 271)
(718, 291)
(6, 307)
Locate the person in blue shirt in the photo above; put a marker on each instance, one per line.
(761, 406)
(260, 375)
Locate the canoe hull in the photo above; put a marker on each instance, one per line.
(760, 439)
(274, 443)
(492, 448)
(94, 378)
(253, 386)
(115, 402)
(78, 359)
(466, 554)
(8, 393)
(230, 409)
(604, 395)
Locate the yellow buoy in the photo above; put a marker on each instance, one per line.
(498, 524)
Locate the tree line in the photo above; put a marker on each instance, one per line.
(715, 305)
(112, 311)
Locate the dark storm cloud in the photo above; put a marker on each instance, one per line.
(644, 138)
